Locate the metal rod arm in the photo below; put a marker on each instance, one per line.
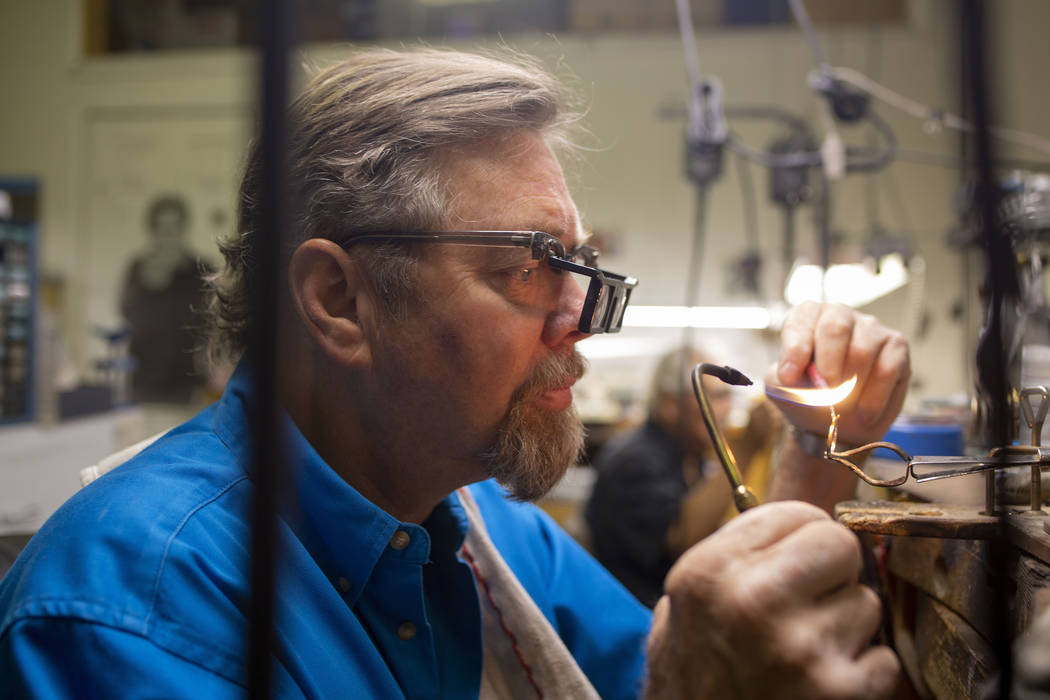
(743, 497)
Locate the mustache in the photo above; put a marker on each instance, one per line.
(553, 372)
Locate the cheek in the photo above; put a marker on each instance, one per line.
(488, 358)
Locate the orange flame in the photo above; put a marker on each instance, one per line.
(812, 397)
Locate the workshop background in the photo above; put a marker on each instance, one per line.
(107, 105)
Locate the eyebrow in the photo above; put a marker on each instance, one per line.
(585, 238)
(506, 255)
(582, 239)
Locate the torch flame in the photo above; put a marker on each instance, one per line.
(812, 397)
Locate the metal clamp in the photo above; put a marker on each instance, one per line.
(1035, 422)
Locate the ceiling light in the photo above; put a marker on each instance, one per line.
(745, 317)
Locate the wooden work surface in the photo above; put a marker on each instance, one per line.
(917, 519)
(946, 606)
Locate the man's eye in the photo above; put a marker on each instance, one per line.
(524, 274)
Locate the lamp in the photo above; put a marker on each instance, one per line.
(852, 284)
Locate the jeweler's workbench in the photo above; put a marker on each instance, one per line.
(937, 578)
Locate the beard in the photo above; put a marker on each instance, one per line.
(534, 446)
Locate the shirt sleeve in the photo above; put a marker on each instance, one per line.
(67, 658)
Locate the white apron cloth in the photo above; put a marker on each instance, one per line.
(523, 656)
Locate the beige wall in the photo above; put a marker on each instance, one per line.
(102, 134)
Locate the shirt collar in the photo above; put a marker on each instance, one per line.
(345, 533)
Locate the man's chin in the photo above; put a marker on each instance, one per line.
(530, 491)
(534, 449)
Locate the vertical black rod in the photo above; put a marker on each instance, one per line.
(1002, 285)
(1001, 275)
(692, 298)
(274, 35)
(696, 255)
(787, 253)
(822, 219)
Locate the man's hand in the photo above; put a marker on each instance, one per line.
(840, 343)
(769, 607)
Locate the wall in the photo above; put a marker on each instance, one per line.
(101, 134)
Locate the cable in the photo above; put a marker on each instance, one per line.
(685, 27)
(892, 187)
(797, 125)
(858, 160)
(696, 255)
(802, 159)
(747, 197)
(933, 115)
(750, 265)
(941, 160)
(798, 9)
(866, 161)
(871, 187)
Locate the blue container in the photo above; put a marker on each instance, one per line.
(924, 438)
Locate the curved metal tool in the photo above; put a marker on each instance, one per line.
(1035, 422)
(743, 497)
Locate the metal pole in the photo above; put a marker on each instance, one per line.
(1002, 284)
(274, 38)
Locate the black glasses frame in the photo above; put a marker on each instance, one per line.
(607, 292)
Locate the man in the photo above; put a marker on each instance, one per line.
(407, 372)
(660, 488)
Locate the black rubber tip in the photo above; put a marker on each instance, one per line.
(727, 374)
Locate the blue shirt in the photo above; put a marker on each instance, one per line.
(138, 584)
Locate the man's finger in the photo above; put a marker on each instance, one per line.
(810, 562)
(760, 527)
(831, 341)
(851, 615)
(890, 371)
(879, 670)
(865, 345)
(796, 342)
(752, 531)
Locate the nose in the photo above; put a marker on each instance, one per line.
(562, 325)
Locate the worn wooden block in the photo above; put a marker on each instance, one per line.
(1033, 590)
(955, 572)
(917, 519)
(955, 661)
(1027, 532)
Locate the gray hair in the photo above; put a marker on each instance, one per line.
(364, 146)
(672, 375)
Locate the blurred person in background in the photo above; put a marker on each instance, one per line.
(660, 488)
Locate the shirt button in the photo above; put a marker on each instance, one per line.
(344, 585)
(400, 539)
(406, 630)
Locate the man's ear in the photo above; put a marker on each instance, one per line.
(332, 300)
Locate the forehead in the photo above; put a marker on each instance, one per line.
(511, 182)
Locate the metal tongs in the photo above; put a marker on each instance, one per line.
(932, 468)
(920, 468)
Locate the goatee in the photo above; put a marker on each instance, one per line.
(535, 446)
